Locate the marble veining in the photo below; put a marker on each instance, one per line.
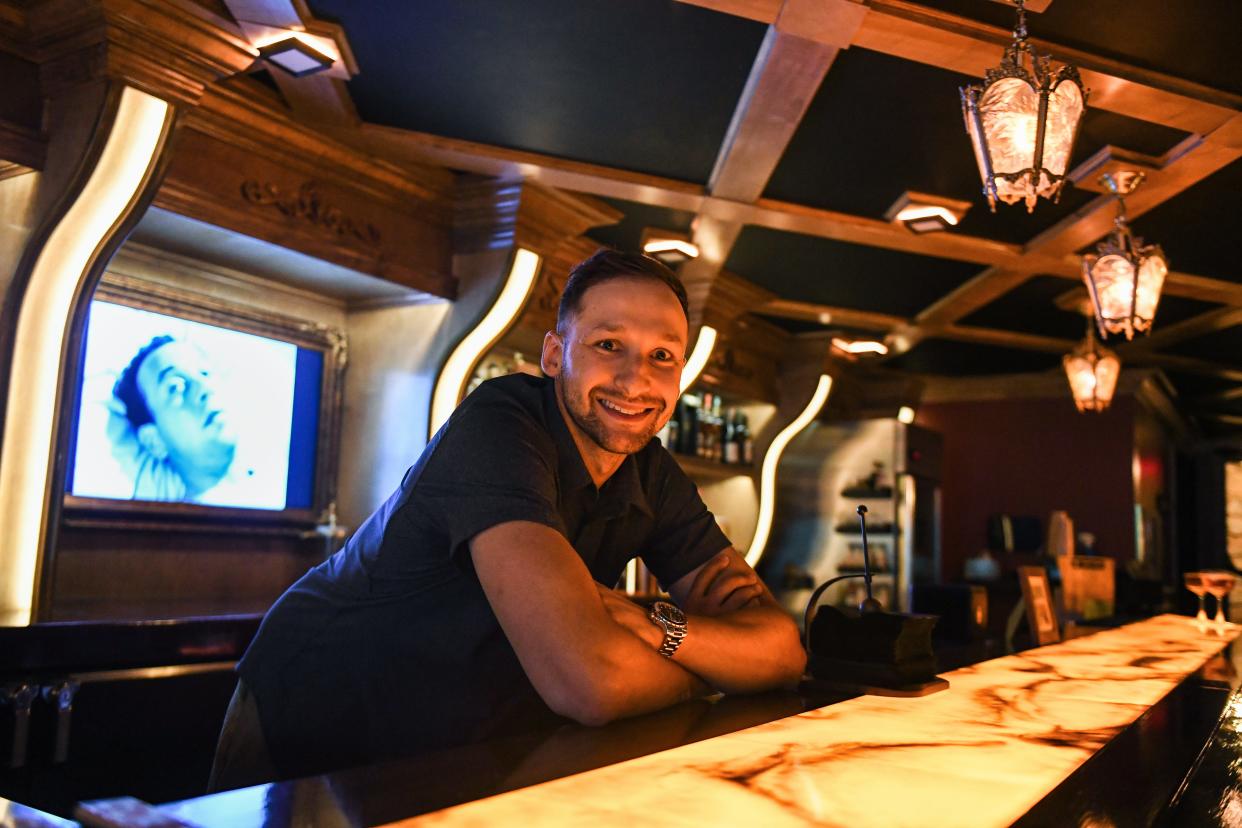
(980, 754)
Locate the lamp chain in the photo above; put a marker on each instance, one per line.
(1020, 32)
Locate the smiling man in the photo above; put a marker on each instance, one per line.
(478, 599)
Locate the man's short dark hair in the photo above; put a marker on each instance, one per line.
(605, 265)
(126, 389)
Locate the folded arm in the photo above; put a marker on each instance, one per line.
(738, 638)
(582, 663)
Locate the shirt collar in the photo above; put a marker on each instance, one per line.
(622, 490)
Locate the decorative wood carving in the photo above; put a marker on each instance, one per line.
(172, 49)
(364, 222)
(307, 204)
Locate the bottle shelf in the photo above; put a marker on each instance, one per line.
(872, 529)
(857, 493)
(703, 469)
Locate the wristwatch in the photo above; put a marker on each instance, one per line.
(672, 620)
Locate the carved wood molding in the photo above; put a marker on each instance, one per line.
(501, 212)
(230, 113)
(369, 226)
(22, 145)
(308, 205)
(173, 49)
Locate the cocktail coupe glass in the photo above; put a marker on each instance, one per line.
(1220, 584)
(1197, 584)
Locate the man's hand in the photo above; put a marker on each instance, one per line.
(630, 616)
(739, 640)
(723, 584)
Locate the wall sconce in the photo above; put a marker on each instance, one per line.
(922, 213)
(669, 246)
(1022, 123)
(1092, 371)
(905, 414)
(1124, 276)
(295, 56)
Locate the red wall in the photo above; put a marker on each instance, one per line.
(1030, 457)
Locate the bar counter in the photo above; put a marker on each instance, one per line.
(1010, 741)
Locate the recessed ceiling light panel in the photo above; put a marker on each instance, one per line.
(295, 56)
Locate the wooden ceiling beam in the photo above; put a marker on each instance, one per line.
(484, 159)
(970, 296)
(1005, 339)
(830, 315)
(1191, 161)
(1227, 395)
(1189, 365)
(786, 74)
(917, 32)
(1219, 319)
(609, 182)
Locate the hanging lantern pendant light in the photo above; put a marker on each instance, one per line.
(1124, 276)
(1022, 122)
(1092, 371)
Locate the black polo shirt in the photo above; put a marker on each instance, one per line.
(390, 646)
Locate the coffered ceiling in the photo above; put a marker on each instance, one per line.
(778, 132)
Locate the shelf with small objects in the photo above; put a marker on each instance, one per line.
(874, 492)
(841, 465)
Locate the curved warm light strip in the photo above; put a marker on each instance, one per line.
(127, 159)
(698, 357)
(767, 476)
(456, 371)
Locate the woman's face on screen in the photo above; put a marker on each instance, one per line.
(177, 383)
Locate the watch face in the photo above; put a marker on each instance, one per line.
(669, 612)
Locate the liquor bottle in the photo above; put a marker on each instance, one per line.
(731, 454)
(703, 445)
(672, 429)
(689, 425)
(746, 445)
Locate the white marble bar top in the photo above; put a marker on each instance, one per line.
(982, 753)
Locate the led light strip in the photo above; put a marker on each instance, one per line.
(128, 157)
(451, 383)
(767, 476)
(698, 357)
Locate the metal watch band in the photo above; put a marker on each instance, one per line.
(671, 619)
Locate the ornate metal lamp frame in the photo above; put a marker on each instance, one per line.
(1093, 353)
(1043, 82)
(1122, 242)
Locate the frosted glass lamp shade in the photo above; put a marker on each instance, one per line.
(1022, 122)
(1092, 372)
(1125, 282)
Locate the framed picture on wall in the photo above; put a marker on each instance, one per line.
(1040, 614)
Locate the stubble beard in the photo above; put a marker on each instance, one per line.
(591, 425)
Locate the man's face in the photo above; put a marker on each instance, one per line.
(176, 382)
(618, 364)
